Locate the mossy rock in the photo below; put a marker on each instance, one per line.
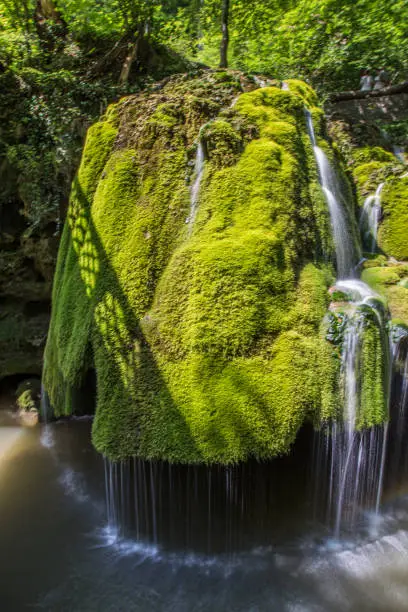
(205, 337)
(387, 281)
(369, 175)
(393, 232)
(28, 395)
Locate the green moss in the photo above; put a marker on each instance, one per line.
(369, 175)
(388, 282)
(392, 237)
(28, 395)
(365, 155)
(223, 143)
(165, 115)
(206, 338)
(304, 91)
(373, 368)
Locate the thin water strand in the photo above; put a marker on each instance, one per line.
(195, 189)
(345, 249)
(370, 219)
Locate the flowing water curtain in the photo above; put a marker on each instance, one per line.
(195, 188)
(399, 406)
(347, 251)
(370, 218)
(352, 446)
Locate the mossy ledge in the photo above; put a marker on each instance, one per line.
(205, 339)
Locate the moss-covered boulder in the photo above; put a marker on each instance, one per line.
(205, 336)
(393, 233)
(390, 281)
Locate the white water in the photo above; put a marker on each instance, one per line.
(260, 82)
(370, 218)
(195, 189)
(358, 290)
(399, 153)
(356, 458)
(400, 366)
(346, 256)
(353, 459)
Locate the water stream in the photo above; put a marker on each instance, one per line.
(346, 252)
(350, 459)
(399, 153)
(370, 218)
(195, 188)
(353, 459)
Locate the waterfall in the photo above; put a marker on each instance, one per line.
(399, 153)
(370, 218)
(346, 256)
(195, 189)
(400, 405)
(260, 82)
(354, 459)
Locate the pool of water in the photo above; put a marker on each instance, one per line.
(57, 552)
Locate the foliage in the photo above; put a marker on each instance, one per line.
(327, 42)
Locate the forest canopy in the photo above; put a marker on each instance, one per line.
(63, 61)
(327, 42)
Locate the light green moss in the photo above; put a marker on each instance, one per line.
(392, 237)
(304, 91)
(374, 371)
(388, 281)
(365, 155)
(205, 339)
(369, 175)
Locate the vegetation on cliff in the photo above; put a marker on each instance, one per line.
(370, 166)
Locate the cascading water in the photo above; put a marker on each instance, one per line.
(370, 218)
(260, 82)
(352, 457)
(399, 153)
(195, 189)
(399, 430)
(181, 506)
(346, 255)
(203, 509)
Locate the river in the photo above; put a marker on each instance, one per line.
(57, 553)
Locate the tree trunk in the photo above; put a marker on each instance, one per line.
(225, 34)
(127, 64)
(132, 55)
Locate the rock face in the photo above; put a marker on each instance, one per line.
(26, 268)
(371, 108)
(27, 254)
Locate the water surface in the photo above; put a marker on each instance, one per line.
(57, 554)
